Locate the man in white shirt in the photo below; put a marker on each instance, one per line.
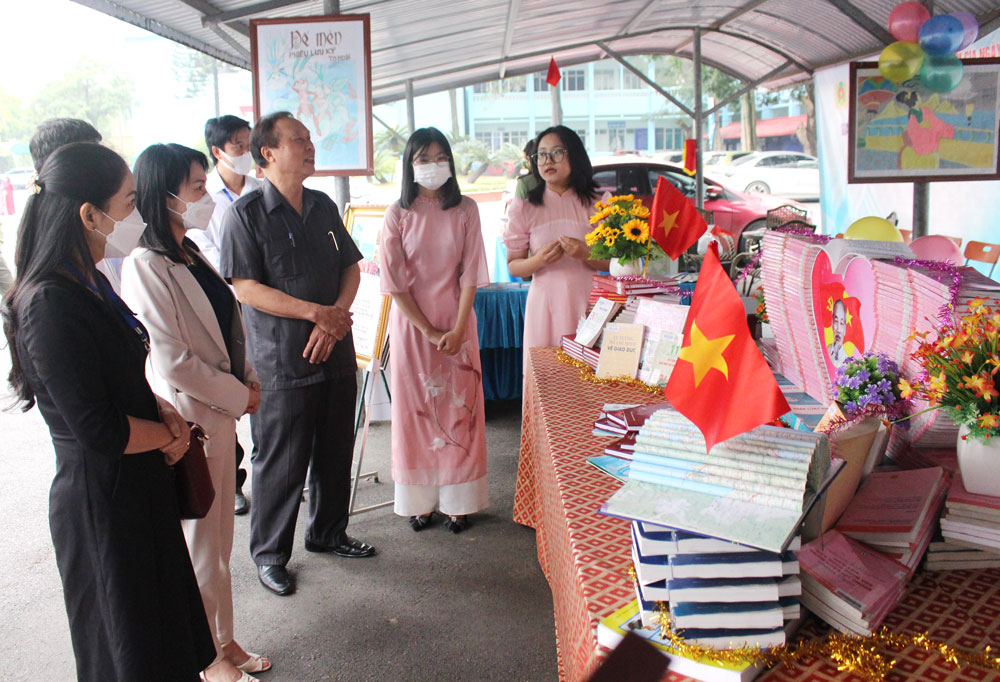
(228, 140)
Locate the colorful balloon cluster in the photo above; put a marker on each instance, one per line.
(926, 46)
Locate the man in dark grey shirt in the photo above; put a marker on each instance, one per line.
(294, 268)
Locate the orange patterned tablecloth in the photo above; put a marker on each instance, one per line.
(585, 555)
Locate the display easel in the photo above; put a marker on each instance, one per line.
(370, 326)
(375, 369)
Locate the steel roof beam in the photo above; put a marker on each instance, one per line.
(645, 79)
(218, 17)
(863, 20)
(748, 87)
(129, 16)
(508, 35)
(638, 16)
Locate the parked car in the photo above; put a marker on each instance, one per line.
(787, 174)
(733, 211)
(19, 177)
(716, 159)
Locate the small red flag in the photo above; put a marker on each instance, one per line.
(690, 157)
(721, 382)
(674, 221)
(553, 77)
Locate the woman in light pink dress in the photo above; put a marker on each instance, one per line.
(544, 238)
(431, 262)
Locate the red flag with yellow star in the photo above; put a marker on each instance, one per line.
(673, 219)
(721, 382)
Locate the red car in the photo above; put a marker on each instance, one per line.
(734, 211)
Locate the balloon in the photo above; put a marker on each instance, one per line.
(936, 247)
(905, 20)
(900, 61)
(941, 74)
(941, 35)
(873, 229)
(970, 26)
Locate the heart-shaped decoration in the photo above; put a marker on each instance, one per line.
(843, 302)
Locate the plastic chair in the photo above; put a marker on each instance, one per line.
(777, 217)
(907, 236)
(982, 252)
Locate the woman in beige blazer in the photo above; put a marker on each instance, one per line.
(198, 362)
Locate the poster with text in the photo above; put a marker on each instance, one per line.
(319, 69)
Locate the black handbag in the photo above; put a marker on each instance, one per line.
(195, 492)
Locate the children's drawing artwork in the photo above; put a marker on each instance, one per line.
(319, 69)
(902, 131)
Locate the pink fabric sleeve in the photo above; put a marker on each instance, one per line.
(516, 235)
(475, 272)
(394, 273)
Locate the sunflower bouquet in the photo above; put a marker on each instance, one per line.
(959, 370)
(621, 230)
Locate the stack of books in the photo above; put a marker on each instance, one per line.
(848, 584)
(635, 286)
(578, 351)
(721, 594)
(971, 522)
(896, 512)
(946, 554)
(611, 630)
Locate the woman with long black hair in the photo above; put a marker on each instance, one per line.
(135, 612)
(199, 361)
(545, 233)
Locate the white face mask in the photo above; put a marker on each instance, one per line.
(431, 175)
(198, 213)
(124, 236)
(241, 165)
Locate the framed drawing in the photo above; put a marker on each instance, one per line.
(364, 224)
(319, 69)
(902, 132)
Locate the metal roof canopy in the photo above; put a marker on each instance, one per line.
(427, 46)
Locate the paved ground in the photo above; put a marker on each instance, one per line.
(430, 606)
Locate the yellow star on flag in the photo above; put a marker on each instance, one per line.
(705, 354)
(668, 222)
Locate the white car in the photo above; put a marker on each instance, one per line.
(19, 177)
(787, 174)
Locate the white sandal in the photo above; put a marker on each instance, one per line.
(255, 664)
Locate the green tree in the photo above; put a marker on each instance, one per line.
(199, 72)
(89, 90)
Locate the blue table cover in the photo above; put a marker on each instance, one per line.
(500, 317)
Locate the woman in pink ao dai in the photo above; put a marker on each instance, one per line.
(544, 238)
(431, 262)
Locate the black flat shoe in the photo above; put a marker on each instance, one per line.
(418, 523)
(456, 524)
(242, 504)
(276, 579)
(348, 547)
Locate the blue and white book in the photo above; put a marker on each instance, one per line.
(742, 615)
(655, 539)
(732, 589)
(613, 466)
(752, 564)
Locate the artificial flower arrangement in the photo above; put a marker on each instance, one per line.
(959, 370)
(761, 309)
(869, 385)
(621, 230)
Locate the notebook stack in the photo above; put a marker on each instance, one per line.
(896, 512)
(971, 522)
(721, 594)
(848, 584)
(578, 351)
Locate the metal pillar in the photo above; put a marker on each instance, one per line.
(411, 117)
(342, 185)
(921, 205)
(699, 175)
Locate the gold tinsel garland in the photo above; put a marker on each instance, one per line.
(850, 653)
(587, 374)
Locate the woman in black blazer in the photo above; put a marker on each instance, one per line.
(135, 612)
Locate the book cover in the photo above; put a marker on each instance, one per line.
(613, 466)
(737, 615)
(588, 333)
(620, 351)
(634, 418)
(612, 630)
(890, 506)
(732, 589)
(959, 497)
(850, 577)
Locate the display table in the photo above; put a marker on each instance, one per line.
(500, 316)
(585, 555)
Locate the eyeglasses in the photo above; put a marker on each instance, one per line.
(555, 156)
